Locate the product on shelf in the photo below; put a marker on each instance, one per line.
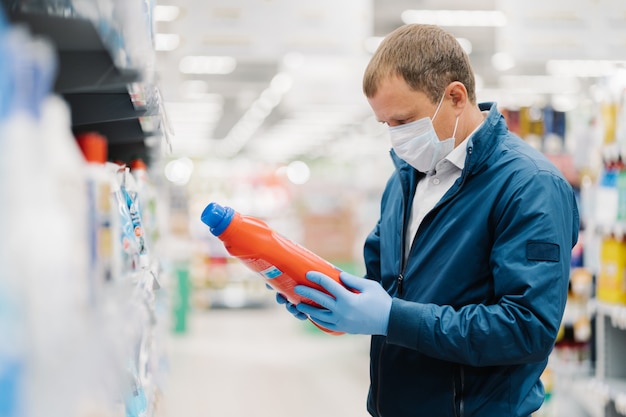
(130, 193)
(41, 275)
(126, 255)
(147, 199)
(612, 277)
(280, 261)
(94, 149)
(74, 341)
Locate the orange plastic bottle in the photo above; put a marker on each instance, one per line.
(280, 261)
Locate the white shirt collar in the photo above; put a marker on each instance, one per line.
(458, 154)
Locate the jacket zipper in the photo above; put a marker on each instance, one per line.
(400, 279)
(459, 404)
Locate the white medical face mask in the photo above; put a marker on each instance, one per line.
(418, 144)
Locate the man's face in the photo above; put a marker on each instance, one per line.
(395, 103)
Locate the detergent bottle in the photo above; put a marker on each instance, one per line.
(282, 262)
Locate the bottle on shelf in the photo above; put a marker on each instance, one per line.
(146, 199)
(282, 262)
(94, 148)
(611, 286)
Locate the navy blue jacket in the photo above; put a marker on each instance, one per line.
(477, 305)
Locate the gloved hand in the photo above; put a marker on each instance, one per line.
(280, 299)
(363, 312)
(290, 307)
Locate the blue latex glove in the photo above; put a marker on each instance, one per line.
(290, 307)
(280, 299)
(363, 312)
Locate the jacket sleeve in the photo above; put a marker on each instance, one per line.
(371, 254)
(534, 230)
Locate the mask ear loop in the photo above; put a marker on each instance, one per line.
(456, 124)
(438, 107)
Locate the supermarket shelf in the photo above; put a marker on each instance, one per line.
(588, 394)
(611, 393)
(88, 108)
(575, 392)
(616, 229)
(85, 64)
(118, 132)
(95, 88)
(617, 393)
(610, 382)
(616, 312)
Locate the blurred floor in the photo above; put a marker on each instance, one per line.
(263, 362)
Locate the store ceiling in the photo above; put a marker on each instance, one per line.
(289, 82)
(295, 90)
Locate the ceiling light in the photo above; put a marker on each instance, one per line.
(179, 171)
(166, 41)
(584, 67)
(298, 172)
(166, 13)
(471, 18)
(207, 64)
(543, 84)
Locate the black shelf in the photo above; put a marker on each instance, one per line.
(89, 108)
(85, 63)
(90, 71)
(95, 88)
(118, 132)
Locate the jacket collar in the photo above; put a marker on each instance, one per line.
(484, 140)
(482, 143)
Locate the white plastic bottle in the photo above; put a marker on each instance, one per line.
(93, 147)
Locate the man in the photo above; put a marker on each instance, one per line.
(468, 265)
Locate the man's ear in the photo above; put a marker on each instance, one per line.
(458, 93)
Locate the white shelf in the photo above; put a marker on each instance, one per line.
(617, 393)
(608, 392)
(610, 382)
(590, 394)
(616, 312)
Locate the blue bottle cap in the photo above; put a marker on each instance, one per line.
(217, 218)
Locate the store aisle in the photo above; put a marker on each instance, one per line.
(263, 362)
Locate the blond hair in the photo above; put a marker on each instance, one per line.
(425, 56)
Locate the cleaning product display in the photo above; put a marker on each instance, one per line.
(80, 316)
(587, 362)
(94, 149)
(282, 262)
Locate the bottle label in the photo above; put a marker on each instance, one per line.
(271, 272)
